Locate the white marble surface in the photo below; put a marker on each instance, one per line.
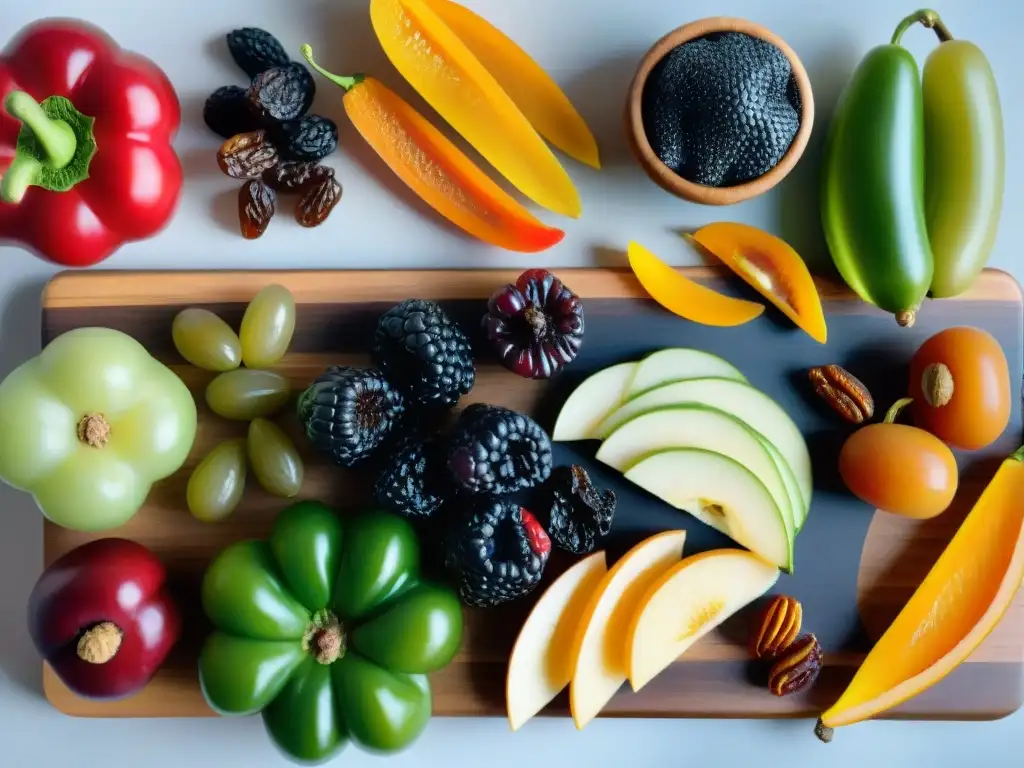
(591, 47)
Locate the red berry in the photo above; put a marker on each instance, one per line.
(540, 543)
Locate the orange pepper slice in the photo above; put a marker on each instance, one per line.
(435, 169)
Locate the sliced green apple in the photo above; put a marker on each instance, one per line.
(722, 493)
(697, 426)
(676, 364)
(748, 404)
(592, 401)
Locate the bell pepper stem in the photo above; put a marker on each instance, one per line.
(894, 411)
(23, 172)
(1018, 455)
(345, 82)
(56, 138)
(926, 17)
(100, 643)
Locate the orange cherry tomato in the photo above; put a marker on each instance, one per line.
(960, 384)
(899, 468)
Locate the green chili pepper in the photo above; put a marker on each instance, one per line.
(328, 630)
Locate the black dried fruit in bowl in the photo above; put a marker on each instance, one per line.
(226, 112)
(580, 514)
(536, 325)
(348, 413)
(281, 93)
(496, 552)
(309, 138)
(256, 50)
(495, 450)
(411, 481)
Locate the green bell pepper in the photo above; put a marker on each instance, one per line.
(328, 630)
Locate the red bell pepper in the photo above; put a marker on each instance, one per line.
(86, 162)
(103, 619)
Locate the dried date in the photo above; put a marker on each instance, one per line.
(247, 155)
(318, 202)
(296, 177)
(256, 206)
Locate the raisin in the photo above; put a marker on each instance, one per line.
(282, 93)
(309, 138)
(255, 50)
(226, 112)
(318, 202)
(296, 177)
(247, 155)
(256, 206)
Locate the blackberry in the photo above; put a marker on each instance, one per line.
(256, 50)
(226, 112)
(580, 513)
(496, 552)
(495, 450)
(309, 138)
(281, 93)
(424, 352)
(411, 481)
(348, 413)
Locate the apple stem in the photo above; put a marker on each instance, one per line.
(894, 412)
(100, 643)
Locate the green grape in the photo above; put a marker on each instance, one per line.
(205, 340)
(245, 394)
(274, 459)
(267, 326)
(216, 485)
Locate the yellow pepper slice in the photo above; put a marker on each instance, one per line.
(453, 81)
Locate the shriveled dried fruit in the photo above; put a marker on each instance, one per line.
(797, 668)
(247, 155)
(282, 93)
(296, 177)
(256, 205)
(309, 138)
(776, 628)
(255, 50)
(844, 392)
(580, 513)
(318, 202)
(226, 112)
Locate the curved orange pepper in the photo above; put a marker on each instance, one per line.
(435, 169)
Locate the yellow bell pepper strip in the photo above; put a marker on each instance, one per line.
(531, 88)
(431, 57)
(435, 169)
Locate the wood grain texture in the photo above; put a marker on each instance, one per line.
(847, 560)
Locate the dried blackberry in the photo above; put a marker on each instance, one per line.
(226, 112)
(256, 50)
(496, 552)
(411, 481)
(309, 138)
(494, 450)
(281, 93)
(348, 413)
(580, 513)
(294, 177)
(421, 349)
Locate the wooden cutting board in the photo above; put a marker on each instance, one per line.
(854, 568)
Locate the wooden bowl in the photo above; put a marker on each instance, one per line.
(669, 179)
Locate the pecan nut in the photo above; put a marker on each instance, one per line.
(777, 627)
(844, 392)
(797, 668)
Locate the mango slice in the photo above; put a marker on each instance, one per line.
(960, 601)
(431, 57)
(682, 296)
(770, 266)
(531, 88)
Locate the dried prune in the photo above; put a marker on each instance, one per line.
(318, 202)
(296, 177)
(247, 155)
(580, 513)
(226, 112)
(309, 138)
(256, 206)
(255, 50)
(282, 93)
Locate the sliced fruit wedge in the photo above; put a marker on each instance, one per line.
(697, 426)
(541, 663)
(746, 403)
(722, 493)
(592, 401)
(599, 650)
(688, 601)
(770, 266)
(682, 296)
(677, 364)
(531, 88)
(962, 599)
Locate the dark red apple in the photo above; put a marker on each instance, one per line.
(102, 618)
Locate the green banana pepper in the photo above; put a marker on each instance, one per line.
(327, 629)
